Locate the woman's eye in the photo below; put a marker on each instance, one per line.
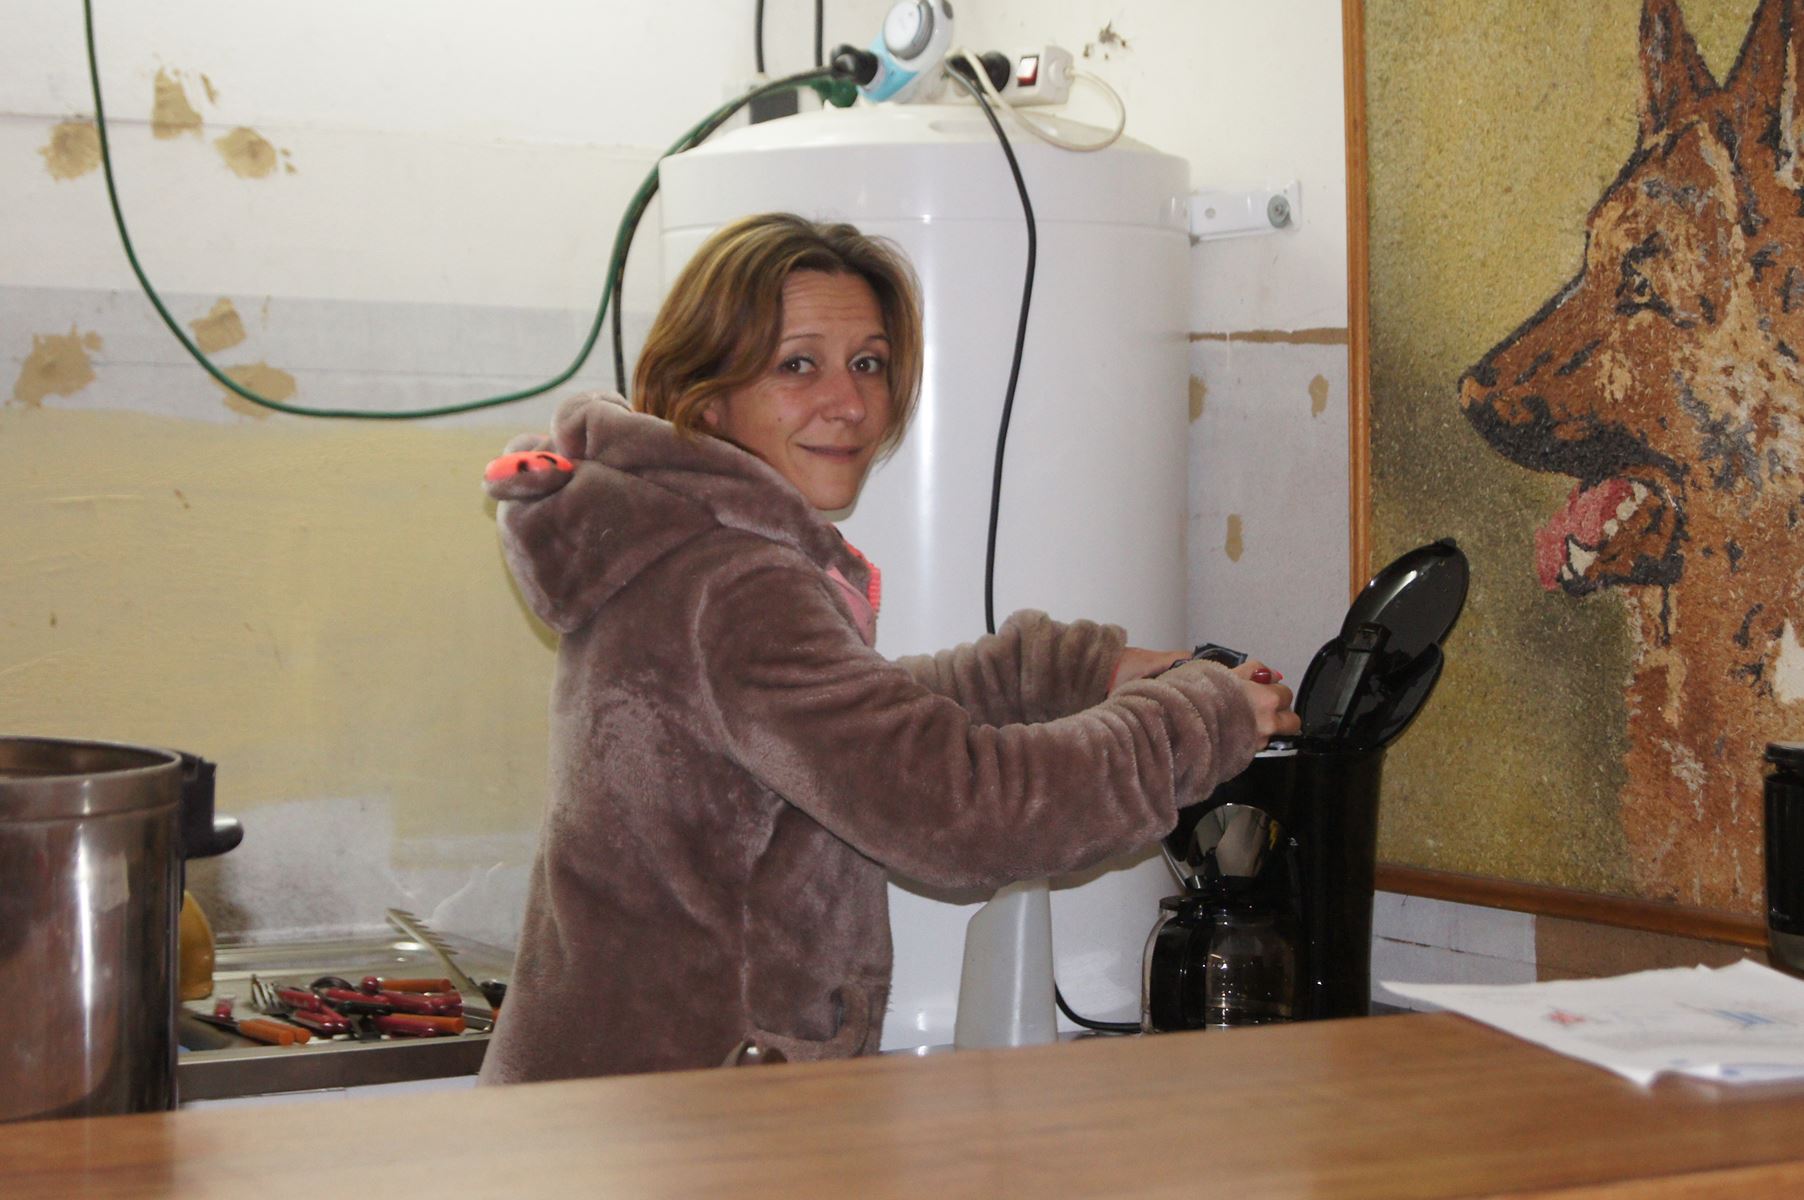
(796, 365)
(870, 364)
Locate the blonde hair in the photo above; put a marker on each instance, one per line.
(719, 328)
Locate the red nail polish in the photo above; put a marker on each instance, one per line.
(1262, 675)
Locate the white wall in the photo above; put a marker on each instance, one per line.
(445, 154)
(1251, 94)
(457, 173)
(320, 605)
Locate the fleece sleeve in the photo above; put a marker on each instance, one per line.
(1032, 669)
(909, 778)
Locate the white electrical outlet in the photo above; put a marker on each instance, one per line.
(1039, 76)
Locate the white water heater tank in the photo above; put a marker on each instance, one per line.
(1094, 505)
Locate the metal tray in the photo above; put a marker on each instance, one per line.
(257, 1070)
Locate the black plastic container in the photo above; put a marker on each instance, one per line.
(1785, 855)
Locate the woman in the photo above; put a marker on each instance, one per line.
(734, 768)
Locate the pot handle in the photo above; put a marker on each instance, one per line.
(203, 833)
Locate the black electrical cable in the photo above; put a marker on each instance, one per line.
(820, 29)
(1008, 405)
(1088, 1023)
(1014, 370)
(758, 36)
(635, 211)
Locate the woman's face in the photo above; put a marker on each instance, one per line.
(823, 404)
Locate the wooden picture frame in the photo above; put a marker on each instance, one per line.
(1741, 928)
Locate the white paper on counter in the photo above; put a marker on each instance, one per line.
(1740, 1024)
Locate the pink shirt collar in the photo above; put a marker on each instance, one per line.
(864, 605)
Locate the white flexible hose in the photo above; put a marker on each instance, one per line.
(1034, 127)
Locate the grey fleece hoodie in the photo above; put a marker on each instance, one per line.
(733, 770)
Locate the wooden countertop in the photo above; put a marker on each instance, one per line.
(1392, 1107)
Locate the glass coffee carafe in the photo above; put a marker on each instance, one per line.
(1222, 955)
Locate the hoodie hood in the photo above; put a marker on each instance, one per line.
(639, 490)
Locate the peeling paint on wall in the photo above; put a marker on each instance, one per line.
(1318, 396)
(1236, 544)
(247, 152)
(170, 114)
(58, 365)
(220, 329)
(1199, 391)
(1108, 40)
(263, 379)
(1321, 336)
(73, 149)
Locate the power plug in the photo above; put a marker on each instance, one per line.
(767, 108)
(773, 106)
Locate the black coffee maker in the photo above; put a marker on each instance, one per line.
(1275, 920)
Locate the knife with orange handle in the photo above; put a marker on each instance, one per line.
(270, 1033)
(478, 1005)
(414, 1025)
(353, 1004)
(426, 1004)
(299, 998)
(436, 1002)
(373, 984)
(274, 1033)
(320, 1020)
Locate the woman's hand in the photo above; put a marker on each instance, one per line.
(1141, 664)
(1272, 716)
(1270, 700)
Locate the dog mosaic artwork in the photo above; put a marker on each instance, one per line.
(1664, 378)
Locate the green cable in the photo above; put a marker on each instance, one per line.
(822, 80)
(622, 239)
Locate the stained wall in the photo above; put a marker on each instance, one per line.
(411, 205)
(392, 206)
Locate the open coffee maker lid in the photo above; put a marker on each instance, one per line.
(1365, 686)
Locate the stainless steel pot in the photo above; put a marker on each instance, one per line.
(92, 841)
